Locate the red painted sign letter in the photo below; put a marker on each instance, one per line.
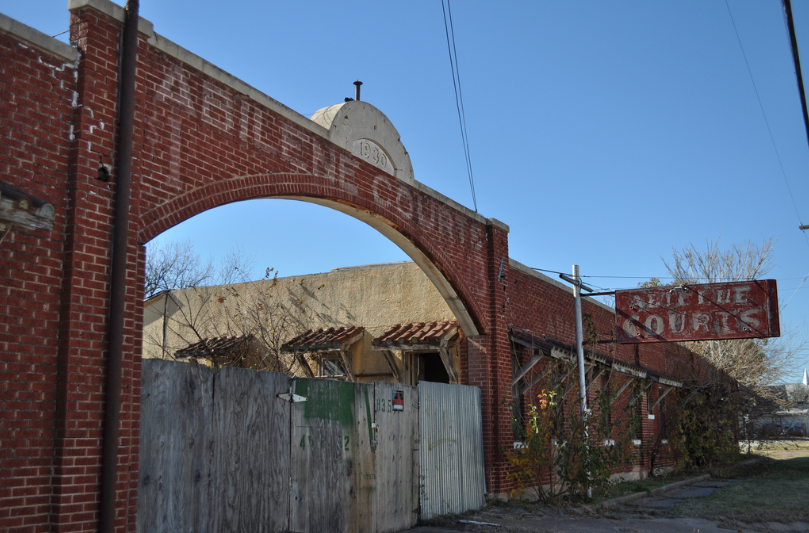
(712, 311)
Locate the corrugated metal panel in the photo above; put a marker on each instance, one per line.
(451, 449)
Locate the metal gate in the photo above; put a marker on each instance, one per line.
(221, 451)
(451, 426)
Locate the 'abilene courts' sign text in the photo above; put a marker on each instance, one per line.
(713, 311)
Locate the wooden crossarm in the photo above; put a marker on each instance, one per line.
(596, 374)
(536, 379)
(572, 383)
(525, 369)
(391, 360)
(304, 365)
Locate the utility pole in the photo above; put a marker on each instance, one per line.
(577, 288)
(579, 340)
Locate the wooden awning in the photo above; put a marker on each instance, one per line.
(324, 340)
(544, 346)
(416, 336)
(215, 347)
(332, 340)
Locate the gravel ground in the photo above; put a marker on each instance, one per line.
(647, 514)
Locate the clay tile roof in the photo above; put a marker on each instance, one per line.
(214, 346)
(323, 340)
(420, 333)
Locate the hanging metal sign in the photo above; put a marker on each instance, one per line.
(711, 311)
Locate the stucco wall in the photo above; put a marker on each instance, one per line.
(375, 297)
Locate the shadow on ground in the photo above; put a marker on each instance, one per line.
(764, 496)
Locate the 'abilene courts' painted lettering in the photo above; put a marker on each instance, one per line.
(745, 309)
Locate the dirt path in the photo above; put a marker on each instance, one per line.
(647, 514)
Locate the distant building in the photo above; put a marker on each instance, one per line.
(372, 323)
(791, 417)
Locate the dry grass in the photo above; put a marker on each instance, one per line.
(783, 449)
(777, 494)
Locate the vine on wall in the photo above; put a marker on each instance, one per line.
(561, 454)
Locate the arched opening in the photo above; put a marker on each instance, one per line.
(326, 295)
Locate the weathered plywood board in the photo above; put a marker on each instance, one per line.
(214, 450)
(175, 447)
(221, 452)
(397, 472)
(250, 469)
(332, 461)
(364, 459)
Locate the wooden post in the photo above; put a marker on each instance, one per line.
(447, 360)
(391, 360)
(346, 358)
(304, 365)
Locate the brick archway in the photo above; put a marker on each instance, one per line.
(432, 258)
(202, 139)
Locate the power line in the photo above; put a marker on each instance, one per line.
(766, 121)
(449, 30)
(804, 279)
(795, 292)
(631, 277)
(793, 41)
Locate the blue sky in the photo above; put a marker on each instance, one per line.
(602, 133)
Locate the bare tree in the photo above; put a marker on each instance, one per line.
(174, 265)
(754, 363)
(270, 313)
(213, 313)
(757, 368)
(174, 269)
(714, 264)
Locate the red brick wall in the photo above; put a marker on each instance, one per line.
(208, 145)
(36, 91)
(546, 309)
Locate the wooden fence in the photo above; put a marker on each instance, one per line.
(221, 451)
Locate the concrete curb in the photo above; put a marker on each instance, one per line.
(659, 490)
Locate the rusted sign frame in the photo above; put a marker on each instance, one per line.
(710, 311)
